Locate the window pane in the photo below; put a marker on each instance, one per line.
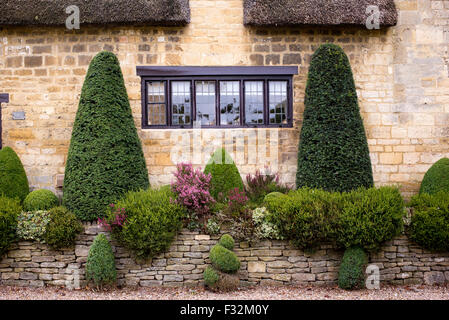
(205, 102)
(181, 104)
(229, 102)
(156, 103)
(254, 102)
(277, 102)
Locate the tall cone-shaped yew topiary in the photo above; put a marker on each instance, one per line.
(333, 150)
(105, 157)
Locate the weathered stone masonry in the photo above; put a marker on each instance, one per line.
(264, 263)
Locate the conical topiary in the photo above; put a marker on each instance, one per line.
(333, 150)
(105, 157)
(13, 179)
(436, 178)
(225, 175)
(351, 274)
(100, 264)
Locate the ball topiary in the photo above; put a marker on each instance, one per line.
(227, 241)
(351, 273)
(62, 229)
(211, 277)
(13, 179)
(42, 199)
(9, 211)
(436, 178)
(225, 175)
(333, 150)
(224, 260)
(105, 158)
(100, 265)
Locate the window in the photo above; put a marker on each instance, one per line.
(178, 97)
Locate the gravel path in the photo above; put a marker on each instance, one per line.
(262, 293)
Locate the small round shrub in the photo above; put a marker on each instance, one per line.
(153, 219)
(100, 265)
(436, 178)
(63, 228)
(351, 273)
(429, 225)
(9, 211)
(32, 225)
(13, 179)
(227, 241)
(42, 199)
(224, 259)
(210, 277)
(225, 175)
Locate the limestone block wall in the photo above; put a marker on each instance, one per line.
(401, 75)
(262, 263)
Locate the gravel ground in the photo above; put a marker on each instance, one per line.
(256, 293)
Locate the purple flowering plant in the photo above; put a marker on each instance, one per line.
(115, 219)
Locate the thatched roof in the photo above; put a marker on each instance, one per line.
(53, 12)
(316, 12)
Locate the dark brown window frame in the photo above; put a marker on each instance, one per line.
(4, 98)
(217, 74)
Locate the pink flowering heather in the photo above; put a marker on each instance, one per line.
(236, 200)
(116, 220)
(192, 189)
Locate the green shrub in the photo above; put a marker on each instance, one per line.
(227, 241)
(351, 273)
(152, 221)
(32, 225)
(42, 199)
(105, 158)
(370, 217)
(100, 265)
(211, 277)
(225, 175)
(436, 178)
(13, 179)
(62, 229)
(264, 228)
(333, 150)
(307, 217)
(223, 259)
(9, 211)
(429, 225)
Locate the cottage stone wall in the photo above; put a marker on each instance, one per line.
(401, 75)
(263, 263)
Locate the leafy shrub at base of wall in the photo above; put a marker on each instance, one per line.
(62, 229)
(365, 217)
(429, 225)
(333, 150)
(153, 219)
(13, 179)
(100, 265)
(42, 199)
(370, 217)
(351, 274)
(225, 175)
(32, 225)
(9, 211)
(105, 158)
(224, 259)
(307, 217)
(436, 178)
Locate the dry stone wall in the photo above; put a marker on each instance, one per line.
(263, 263)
